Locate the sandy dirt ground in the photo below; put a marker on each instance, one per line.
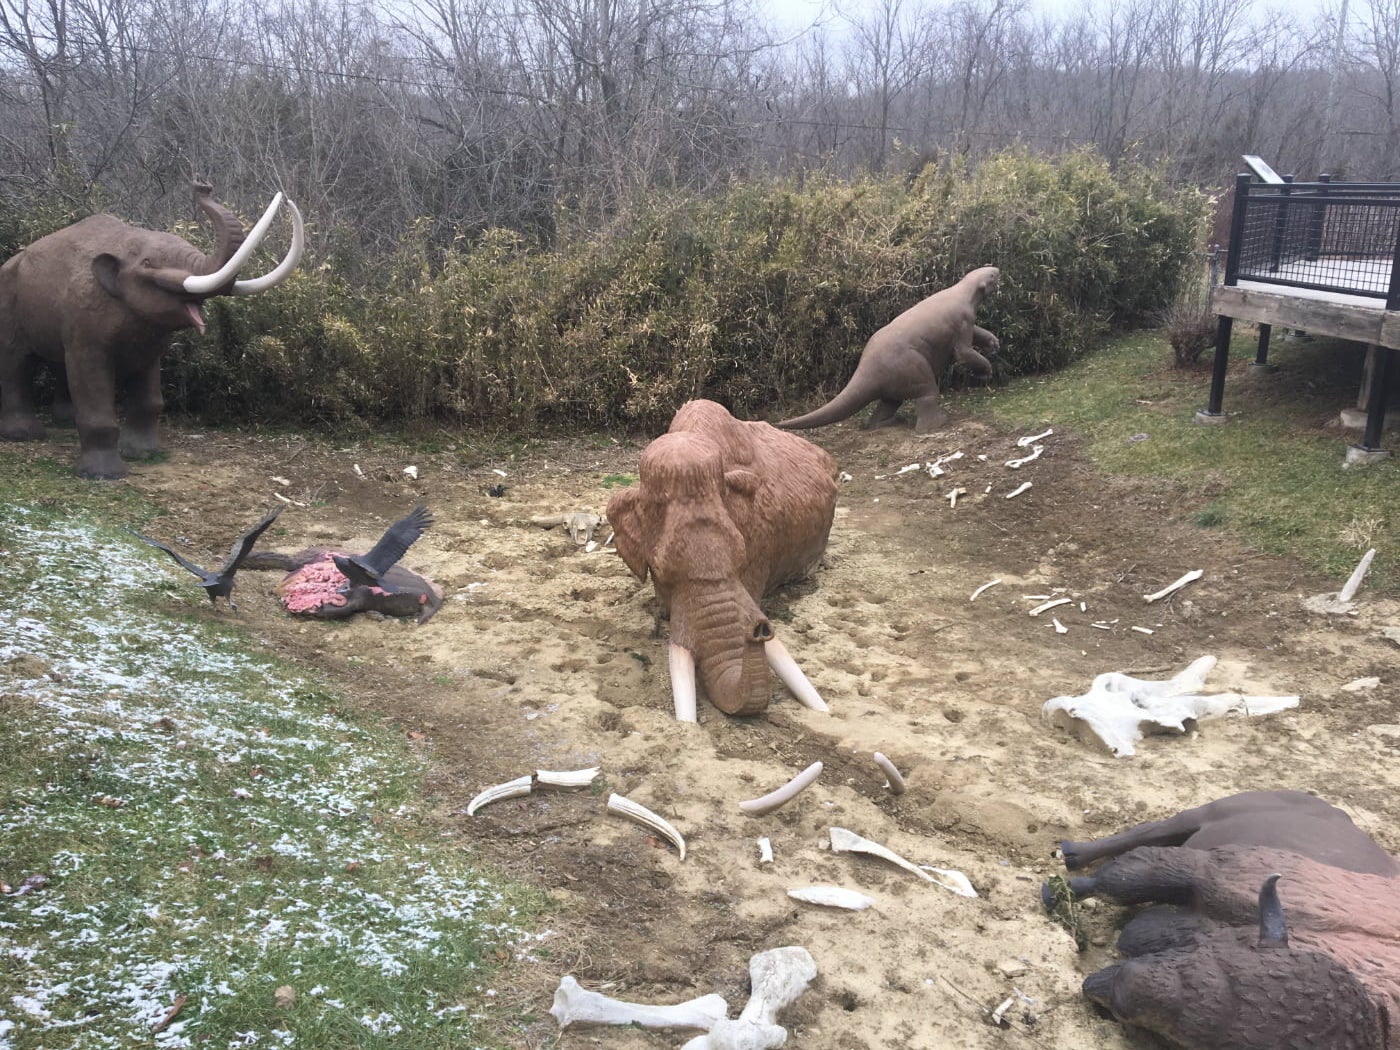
(544, 656)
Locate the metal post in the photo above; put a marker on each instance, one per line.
(1261, 356)
(1392, 295)
(1280, 224)
(1213, 413)
(1375, 404)
(1319, 220)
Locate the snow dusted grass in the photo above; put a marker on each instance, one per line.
(210, 828)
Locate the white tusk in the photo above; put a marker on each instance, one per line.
(1348, 592)
(627, 808)
(285, 267)
(1194, 574)
(765, 850)
(785, 667)
(574, 778)
(981, 589)
(844, 841)
(832, 897)
(575, 1005)
(892, 774)
(786, 793)
(683, 682)
(778, 977)
(510, 789)
(205, 284)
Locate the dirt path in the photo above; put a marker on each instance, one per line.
(543, 657)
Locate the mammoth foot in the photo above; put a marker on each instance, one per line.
(22, 430)
(101, 465)
(136, 444)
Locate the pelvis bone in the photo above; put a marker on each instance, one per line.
(725, 512)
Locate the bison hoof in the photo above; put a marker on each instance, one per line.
(23, 430)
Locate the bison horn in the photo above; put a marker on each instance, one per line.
(1273, 928)
(207, 284)
(785, 667)
(683, 682)
(276, 276)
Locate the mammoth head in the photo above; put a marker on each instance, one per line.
(165, 280)
(682, 525)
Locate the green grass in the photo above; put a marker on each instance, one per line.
(1271, 476)
(209, 823)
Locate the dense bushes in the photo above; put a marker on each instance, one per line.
(757, 296)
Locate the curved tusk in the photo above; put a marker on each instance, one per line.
(771, 801)
(892, 774)
(572, 778)
(283, 269)
(683, 682)
(510, 789)
(632, 811)
(207, 284)
(785, 667)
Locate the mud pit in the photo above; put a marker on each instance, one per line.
(543, 657)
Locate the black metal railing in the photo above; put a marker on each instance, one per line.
(1328, 236)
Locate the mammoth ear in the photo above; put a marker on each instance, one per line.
(745, 482)
(107, 270)
(633, 530)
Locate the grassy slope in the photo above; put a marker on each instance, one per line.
(1273, 475)
(209, 822)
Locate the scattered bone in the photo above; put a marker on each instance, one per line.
(1018, 490)
(906, 470)
(786, 793)
(984, 587)
(832, 897)
(573, 778)
(1360, 684)
(576, 1005)
(1194, 574)
(844, 477)
(279, 480)
(1059, 627)
(987, 490)
(778, 977)
(632, 811)
(953, 495)
(1142, 630)
(1033, 438)
(1037, 597)
(499, 471)
(935, 469)
(1017, 464)
(1083, 607)
(1117, 707)
(845, 841)
(895, 780)
(952, 880)
(411, 472)
(581, 524)
(1348, 591)
(510, 789)
(358, 472)
(1103, 625)
(785, 667)
(765, 850)
(1052, 604)
(998, 1016)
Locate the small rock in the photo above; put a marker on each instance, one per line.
(285, 997)
(1359, 684)
(1011, 967)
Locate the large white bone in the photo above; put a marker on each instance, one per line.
(778, 977)
(1348, 591)
(846, 841)
(635, 811)
(576, 1005)
(1117, 707)
(204, 284)
(789, 791)
(785, 667)
(1172, 588)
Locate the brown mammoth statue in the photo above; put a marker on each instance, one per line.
(101, 299)
(724, 512)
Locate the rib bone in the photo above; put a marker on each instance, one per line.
(771, 801)
(576, 1005)
(510, 789)
(632, 811)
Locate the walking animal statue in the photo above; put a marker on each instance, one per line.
(724, 512)
(903, 361)
(1282, 929)
(102, 299)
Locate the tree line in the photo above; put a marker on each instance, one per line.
(528, 114)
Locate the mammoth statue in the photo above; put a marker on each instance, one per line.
(1277, 926)
(101, 300)
(724, 512)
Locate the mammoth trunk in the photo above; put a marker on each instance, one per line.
(724, 638)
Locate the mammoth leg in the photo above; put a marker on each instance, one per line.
(93, 386)
(1150, 875)
(882, 415)
(1162, 929)
(62, 408)
(929, 414)
(1170, 832)
(140, 435)
(17, 419)
(985, 341)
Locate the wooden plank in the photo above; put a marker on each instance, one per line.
(1358, 323)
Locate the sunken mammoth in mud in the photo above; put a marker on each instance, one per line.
(724, 512)
(102, 299)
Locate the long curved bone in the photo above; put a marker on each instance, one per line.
(283, 269)
(639, 813)
(785, 794)
(785, 667)
(576, 1005)
(892, 774)
(497, 792)
(682, 662)
(846, 841)
(778, 977)
(206, 284)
